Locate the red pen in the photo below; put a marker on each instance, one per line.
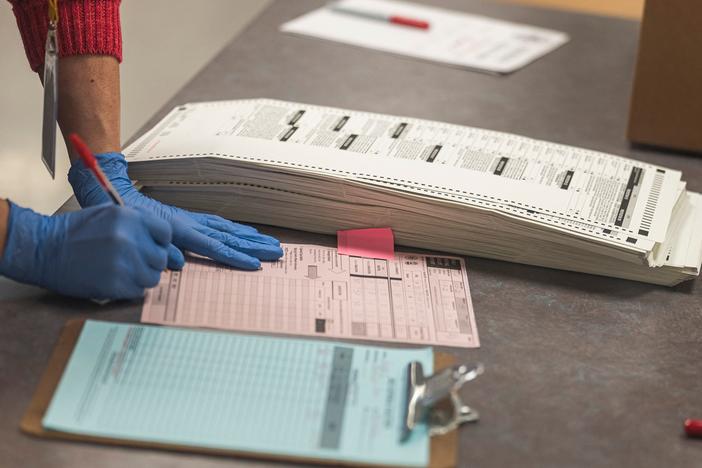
(395, 19)
(693, 427)
(91, 163)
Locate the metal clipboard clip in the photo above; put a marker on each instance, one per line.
(434, 400)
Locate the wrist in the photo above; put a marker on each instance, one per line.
(27, 231)
(86, 188)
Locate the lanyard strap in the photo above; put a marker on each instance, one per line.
(53, 13)
(48, 132)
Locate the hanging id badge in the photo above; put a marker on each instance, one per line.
(48, 131)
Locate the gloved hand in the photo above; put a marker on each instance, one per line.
(230, 243)
(103, 252)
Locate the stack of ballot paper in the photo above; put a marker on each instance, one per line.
(438, 186)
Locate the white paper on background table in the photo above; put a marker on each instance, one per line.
(314, 291)
(455, 38)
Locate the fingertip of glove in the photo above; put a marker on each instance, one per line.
(176, 259)
(270, 253)
(253, 264)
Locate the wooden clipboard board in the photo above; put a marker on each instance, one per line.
(443, 449)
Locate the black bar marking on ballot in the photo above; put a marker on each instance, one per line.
(662, 171)
(333, 421)
(320, 325)
(434, 153)
(298, 115)
(639, 174)
(340, 124)
(399, 130)
(355, 275)
(631, 240)
(443, 262)
(289, 133)
(643, 232)
(634, 179)
(607, 231)
(348, 142)
(501, 166)
(566, 180)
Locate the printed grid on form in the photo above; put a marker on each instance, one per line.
(313, 290)
(305, 398)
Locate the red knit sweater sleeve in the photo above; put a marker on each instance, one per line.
(85, 27)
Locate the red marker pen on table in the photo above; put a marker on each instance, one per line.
(693, 427)
(91, 163)
(394, 19)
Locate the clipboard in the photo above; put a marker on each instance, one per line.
(443, 448)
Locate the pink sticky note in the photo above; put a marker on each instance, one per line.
(372, 243)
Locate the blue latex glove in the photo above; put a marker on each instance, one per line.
(103, 252)
(230, 243)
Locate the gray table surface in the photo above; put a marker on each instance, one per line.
(581, 370)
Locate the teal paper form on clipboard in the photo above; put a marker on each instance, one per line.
(283, 397)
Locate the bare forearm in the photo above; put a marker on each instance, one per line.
(90, 49)
(89, 101)
(4, 216)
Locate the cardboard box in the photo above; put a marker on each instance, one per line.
(666, 102)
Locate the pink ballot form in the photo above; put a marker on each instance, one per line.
(313, 290)
(370, 243)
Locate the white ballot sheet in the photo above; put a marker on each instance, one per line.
(458, 39)
(314, 291)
